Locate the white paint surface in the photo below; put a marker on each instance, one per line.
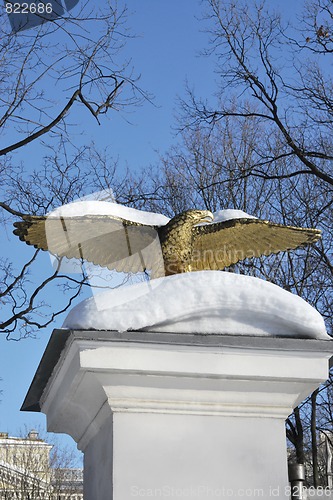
(158, 418)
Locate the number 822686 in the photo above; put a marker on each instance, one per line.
(25, 8)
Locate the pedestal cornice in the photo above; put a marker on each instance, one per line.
(85, 376)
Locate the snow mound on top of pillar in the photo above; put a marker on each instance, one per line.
(205, 302)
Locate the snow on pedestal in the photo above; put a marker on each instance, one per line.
(206, 302)
(181, 409)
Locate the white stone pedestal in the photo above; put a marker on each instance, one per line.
(161, 415)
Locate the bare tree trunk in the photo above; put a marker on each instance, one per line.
(299, 444)
(314, 447)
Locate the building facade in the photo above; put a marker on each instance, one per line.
(27, 471)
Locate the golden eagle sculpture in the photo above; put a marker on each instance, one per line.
(129, 240)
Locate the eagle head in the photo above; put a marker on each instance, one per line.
(198, 216)
(176, 239)
(181, 225)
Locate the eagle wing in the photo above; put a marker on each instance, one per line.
(104, 240)
(219, 245)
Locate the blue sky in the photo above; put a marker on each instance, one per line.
(166, 54)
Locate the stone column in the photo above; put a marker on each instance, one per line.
(162, 415)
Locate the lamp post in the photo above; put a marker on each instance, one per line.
(296, 474)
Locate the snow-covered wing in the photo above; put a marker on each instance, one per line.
(219, 245)
(104, 240)
(95, 207)
(231, 213)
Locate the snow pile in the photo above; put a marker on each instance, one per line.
(229, 214)
(97, 207)
(205, 302)
(93, 207)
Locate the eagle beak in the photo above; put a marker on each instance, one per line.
(208, 217)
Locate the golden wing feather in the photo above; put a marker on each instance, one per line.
(104, 240)
(219, 245)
